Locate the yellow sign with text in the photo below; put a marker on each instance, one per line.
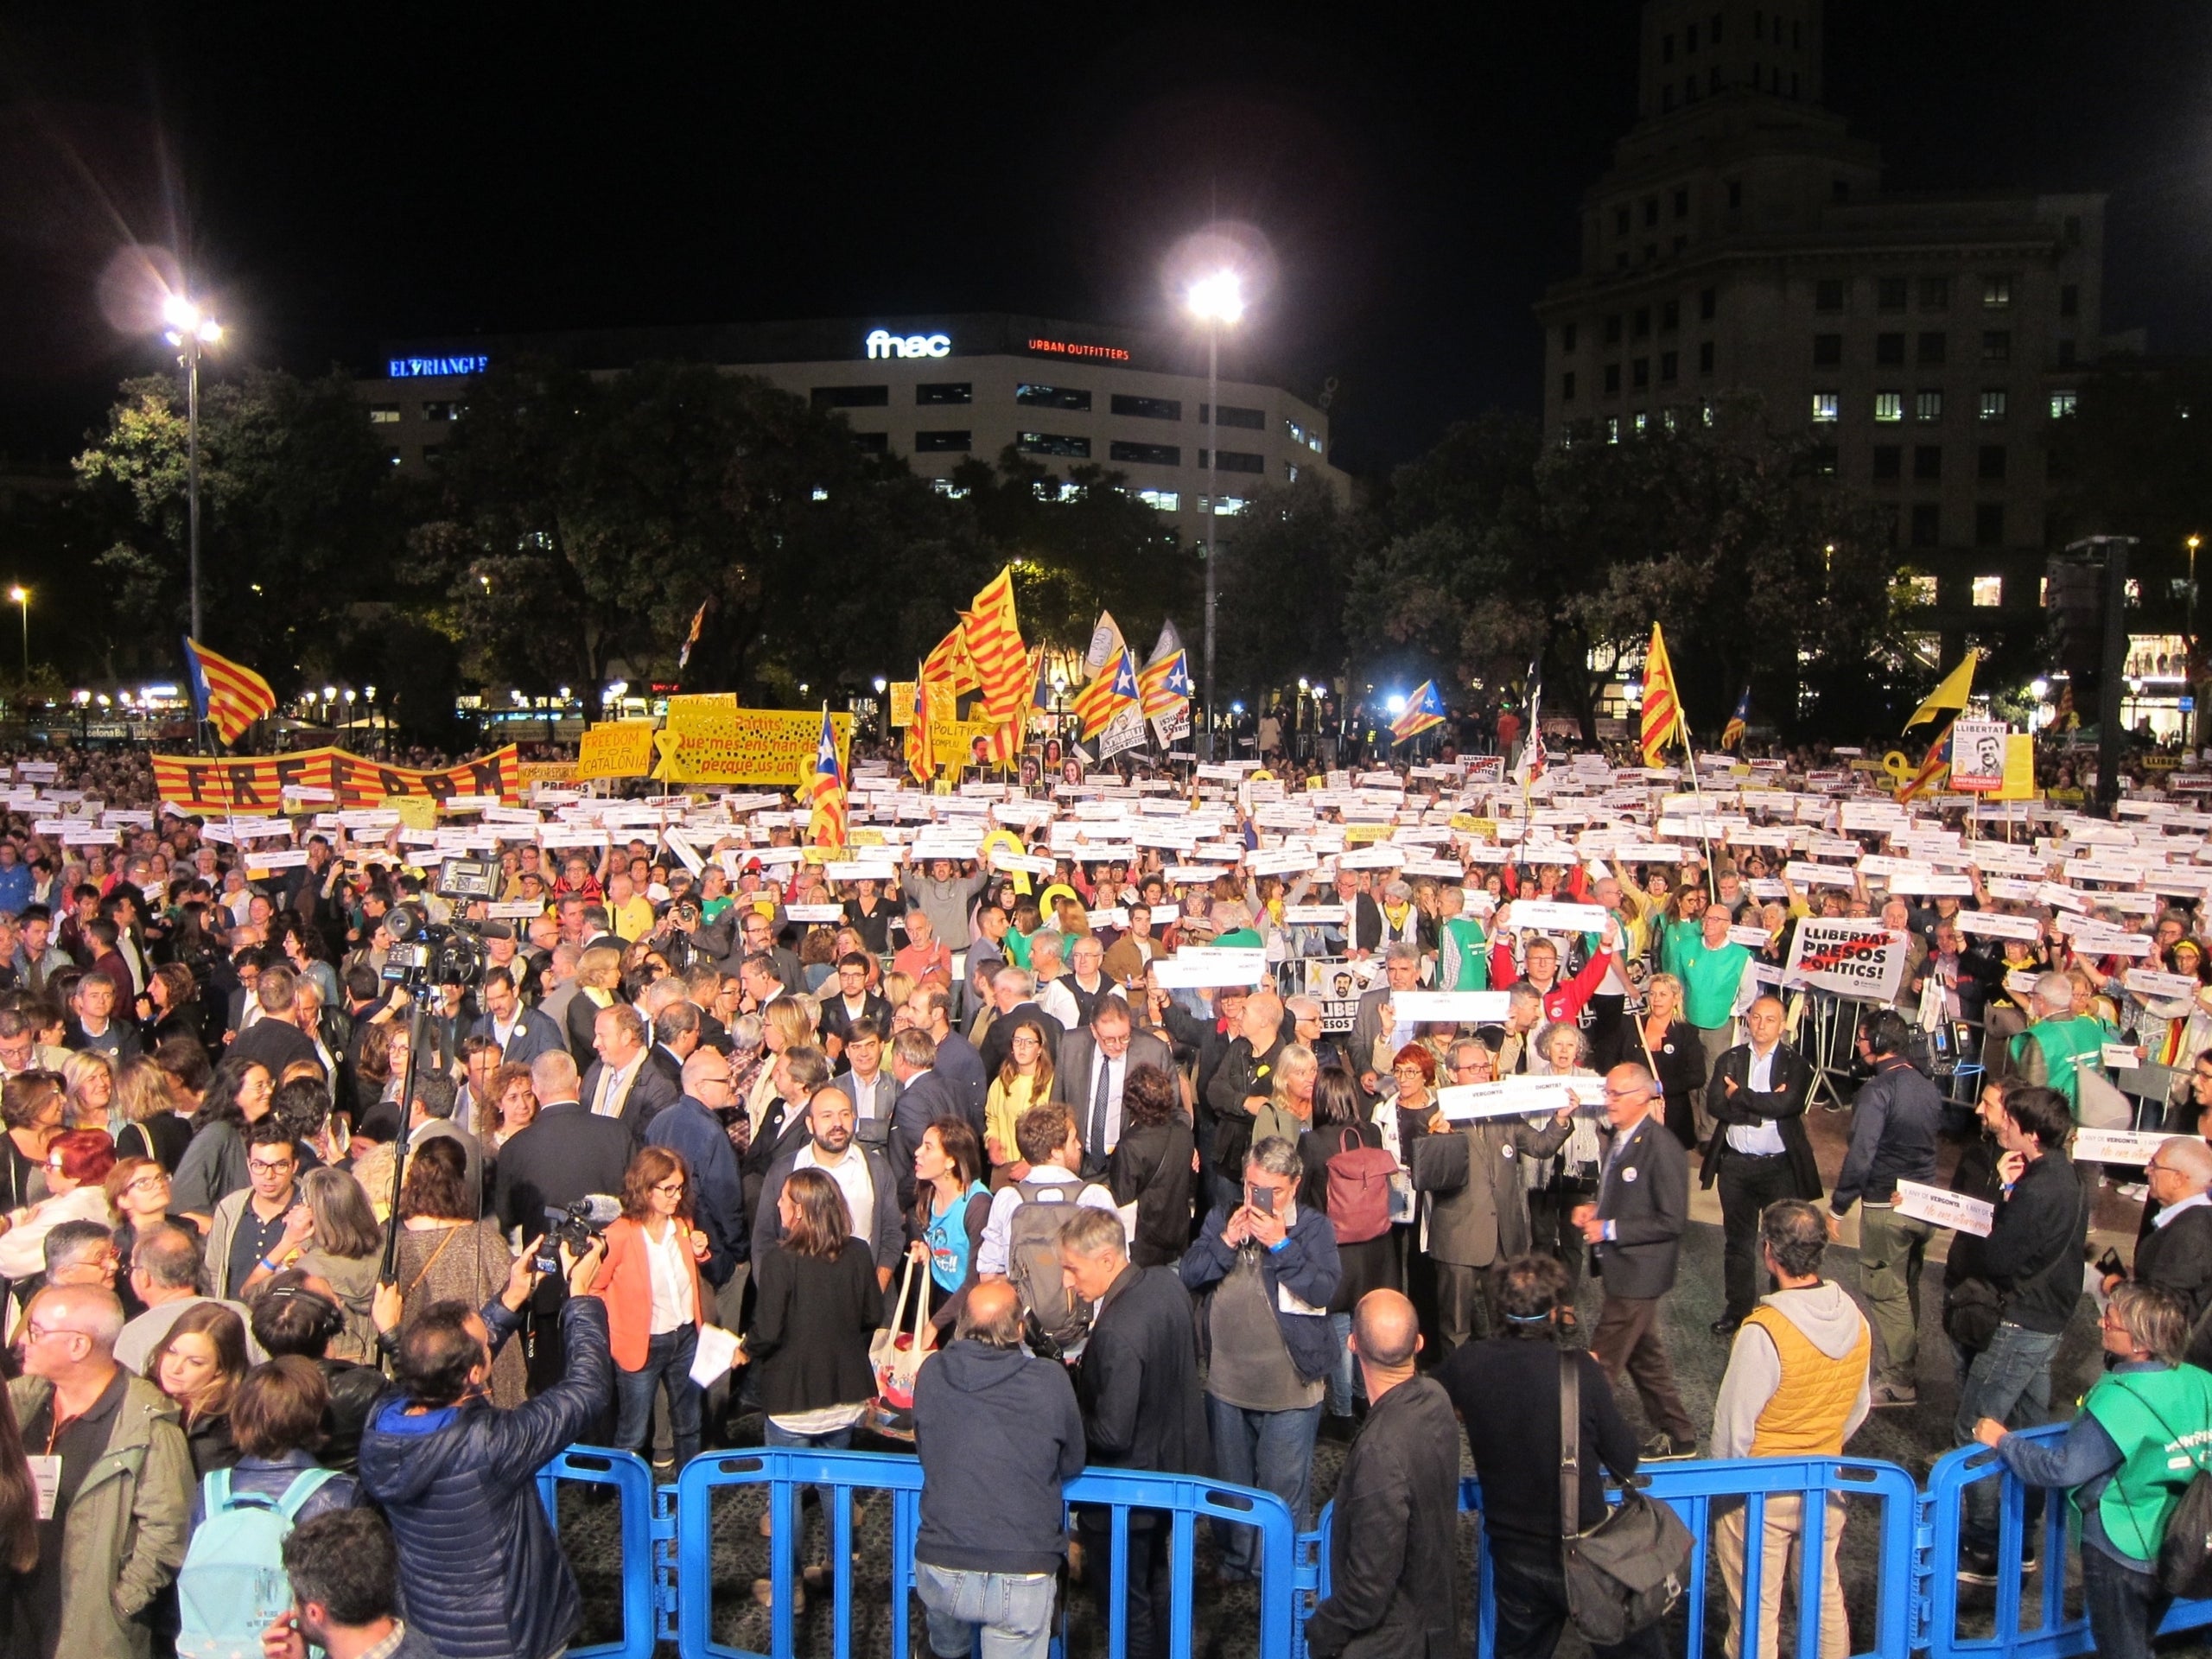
(952, 741)
(616, 748)
(902, 702)
(747, 745)
(2019, 783)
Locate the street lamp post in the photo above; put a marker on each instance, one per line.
(189, 331)
(20, 596)
(1214, 300)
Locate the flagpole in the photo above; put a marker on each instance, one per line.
(1705, 832)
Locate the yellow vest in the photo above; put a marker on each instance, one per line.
(1810, 1407)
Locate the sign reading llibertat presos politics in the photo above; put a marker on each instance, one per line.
(1854, 958)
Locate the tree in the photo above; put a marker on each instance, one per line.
(1284, 560)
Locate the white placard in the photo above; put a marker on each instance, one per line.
(1449, 1006)
(2121, 1057)
(1756, 938)
(1993, 924)
(1952, 1210)
(870, 869)
(515, 910)
(1514, 1096)
(1116, 916)
(1181, 972)
(1549, 914)
(814, 914)
(1314, 916)
(1978, 754)
(2143, 982)
(2131, 1147)
(283, 859)
(1852, 957)
(1378, 856)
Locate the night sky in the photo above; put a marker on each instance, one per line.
(345, 176)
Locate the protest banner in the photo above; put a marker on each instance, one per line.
(1952, 1210)
(615, 748)
(200, 785)
(1857, 958)
(1510, 1097)
(746, 746)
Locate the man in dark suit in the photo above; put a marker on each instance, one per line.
(2176, 1254)
(1093, 1063)
(621, 1083)
(1014, 989)
(924, 1098)
(1142, 1408)
(522, 1033)
(1758, 1152)
(851, 1002)
(930, 1008)
(873, 1088)
(782, 1130)
(1635, 1233)
(563, 1154)
(1401, 972)
(678, 1029)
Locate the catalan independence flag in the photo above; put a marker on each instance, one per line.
(1933, 767)
(993, 639)
(1423, 710)
(825, 825)
(1115, 690)
(1732, 733)
(228, 694)
(1165, 682)
(1663, 704)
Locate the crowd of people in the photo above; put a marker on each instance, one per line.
(1119, 1098)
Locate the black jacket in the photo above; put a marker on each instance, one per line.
(811, 1325)
(921, 1101)
(1645, 1195)
(1784, 1105)
(1393, 1550)
(564, 1153)
(1894, 1121)
(1506, 1390)
(1151, 1168)
(1138, 1383)
(651, 1094)
(1241, 1075)
(998, 1433)
(2033, 1253)
(2178, 1257)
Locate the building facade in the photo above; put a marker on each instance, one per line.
(1742, 240)
(941, 390)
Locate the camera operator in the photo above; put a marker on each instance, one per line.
(674, 937)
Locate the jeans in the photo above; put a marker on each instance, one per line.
(1891, 1250)
(1342, 1385)
(1531, 1588)
(668, 1362)
(1272, 1450)
(2124, 1607)
(842, 1439)
(2009, 1380)
(1149, 1584)
(1014, 1610)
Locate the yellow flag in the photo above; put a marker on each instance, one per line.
(1957, 687)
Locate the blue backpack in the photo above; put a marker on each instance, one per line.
(232, 1585)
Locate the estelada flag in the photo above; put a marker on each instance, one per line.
(993, 640)
(825, 822)
(1934, 766)
(1115, 690)
(1732, 733)
(228, 694)
(917, 735)
(1006, 742)
(1423, 710)
(1164, 683)
(1662, 705)
(691, 637)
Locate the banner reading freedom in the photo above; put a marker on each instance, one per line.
(746, 746)
(258, 786)
(616, 748)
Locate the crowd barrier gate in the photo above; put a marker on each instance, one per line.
(643, 1620)
(785, 1471)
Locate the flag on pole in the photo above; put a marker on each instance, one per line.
(948, 664)
(1732, 733)
(825, 819)
(993, 641)
(1952, 694)
(1530, 766)
(1115, 690)
(1165, 681)
(918, 734)
(1006, 741)
(1106, 644)
(691, 637)
(1934, 766)
(228, 694)
(1423, 710)
(1662, 705)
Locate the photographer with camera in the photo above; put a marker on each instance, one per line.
(457, 1477)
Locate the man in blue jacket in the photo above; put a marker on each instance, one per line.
(998, 1434)
(457, 1478)
(1271, 1267)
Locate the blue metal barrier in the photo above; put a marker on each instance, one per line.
(1692, 1489)
(785, 1471)
(2053, 1633)
(633, 1484)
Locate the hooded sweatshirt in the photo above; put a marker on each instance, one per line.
(998, 1432)
(1827, 1318)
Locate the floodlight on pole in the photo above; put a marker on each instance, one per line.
(189, 330)
(1217, 301)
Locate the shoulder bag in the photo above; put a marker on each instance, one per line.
(1628, 1571)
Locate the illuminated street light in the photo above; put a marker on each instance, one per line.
(1217, 301)
(189, 330)
(21, 595)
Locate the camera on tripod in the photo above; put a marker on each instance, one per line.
(424, 953)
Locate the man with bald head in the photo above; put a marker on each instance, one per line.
(1393, 1554)
(691, 1129)
(998, 1434)
(2175, 1253)
(121, 1538)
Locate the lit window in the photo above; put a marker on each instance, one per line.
(1313, 440)
(945, 487)
(1989, 590)
(1996, 292)
(820, 494)
(384, 414)
(1642, 421)
(1824, 405)
(1612, 429)
(1230, 506)
(1290, 472)
(1920, 589)
(1165, 500)
(1928, 406)
(2134, 591)
(1993, 404)
(2062, 402)
(1889, 405)
(1705, 413)
(1053, 444)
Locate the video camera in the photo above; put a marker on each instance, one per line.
(424, 953)
(576, 1226)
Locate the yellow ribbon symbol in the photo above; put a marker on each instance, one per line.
(1011, 843)
(1900, 768)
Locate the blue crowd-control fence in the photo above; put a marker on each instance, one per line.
(786, 1471)
(668, 1576)
(1700, 1493)
(2037, 1627)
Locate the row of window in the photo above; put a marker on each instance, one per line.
(1926, 529)
(1827, 406)
(1034, 395)
(1074, 446)
(390, 414)
(1928, 463)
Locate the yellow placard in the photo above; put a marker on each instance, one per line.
(544, 771)
(944, 702)
(416, 811)
(1357, 835)
(2019, 783)
(2162, 763)
(616, 748)
(747, 745)
(689, 709)
(902, 702)
(951, 741)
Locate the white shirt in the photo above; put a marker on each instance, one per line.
(1056, 1000)
(990, 1251)
(1118, 1072)
(504, 1034)
(1759, 1139)
(614, 1088)
(2179, 1205)
(854, 1181)
(669, 1263)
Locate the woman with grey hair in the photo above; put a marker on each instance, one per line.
(1556, 1185)
(748, 1052)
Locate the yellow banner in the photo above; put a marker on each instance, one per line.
(556, 773)
(902, 702)
(691, 708)
(616, 748)
(2019, 783)
(749, 746)
(952, 741)
(944, 702)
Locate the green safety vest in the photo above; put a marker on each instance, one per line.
(2162, 1423)
(1472, 945)
(2068, 1045)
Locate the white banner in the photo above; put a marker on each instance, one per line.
(1951, 1209)
(810, 914)
(1991, 925)
(1181, 972)
(1514, 1096)
(1549, 914)
(1453, 1006)
(1124, 731)
(1856, 958)
(2128, 1147)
